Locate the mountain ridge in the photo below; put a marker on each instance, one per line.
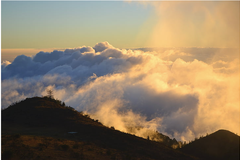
(44, 116)
(220, 145)
(47, 120)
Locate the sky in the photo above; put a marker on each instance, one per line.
(166, 66)
(30, 26)
(43, 25)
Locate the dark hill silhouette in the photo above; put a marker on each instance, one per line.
(51, 118)
(220, 145)
(44, 112)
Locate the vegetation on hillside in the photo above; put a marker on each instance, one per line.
(41, 123)
(37, 147)
(45, 128)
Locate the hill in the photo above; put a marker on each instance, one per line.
(44, 128)
(45, 112)
(220, 145)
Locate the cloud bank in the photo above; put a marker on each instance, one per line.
(184, 92)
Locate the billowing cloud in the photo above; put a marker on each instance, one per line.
(181, 92)
(99, 47)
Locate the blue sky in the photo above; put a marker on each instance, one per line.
(72, 24)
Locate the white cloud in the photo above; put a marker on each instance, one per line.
(162, 90)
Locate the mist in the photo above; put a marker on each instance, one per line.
(180, 92)
(194, 24)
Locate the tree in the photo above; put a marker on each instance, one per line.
(50, 93)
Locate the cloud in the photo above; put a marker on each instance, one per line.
(43, 57)
(195, 23)
(176, 91)
(5, 63)
(99, 47)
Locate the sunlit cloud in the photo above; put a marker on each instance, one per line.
(195, 24)
(181, 92)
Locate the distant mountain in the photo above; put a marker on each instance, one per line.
(220, 145)
(44, 128)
